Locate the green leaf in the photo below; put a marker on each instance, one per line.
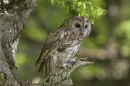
(62, 4)
(104, 11)
(52, 2)
(87, 15)
(74, 2)
(58, 2)
(84, 6)
(83, 13)
(80, 3)
(89, 3)
(100, 11)
(79, 10)
(66, 9)
(72, 7)
(91, 9)
(92, 21)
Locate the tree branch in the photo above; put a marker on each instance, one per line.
(61, 77)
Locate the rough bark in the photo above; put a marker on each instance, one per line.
(13, 16)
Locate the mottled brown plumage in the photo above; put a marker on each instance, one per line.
(63, 43)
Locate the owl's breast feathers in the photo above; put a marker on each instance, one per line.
(68, 39)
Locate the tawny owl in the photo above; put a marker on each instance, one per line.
(63, 43)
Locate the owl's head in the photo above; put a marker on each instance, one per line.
(79, 25)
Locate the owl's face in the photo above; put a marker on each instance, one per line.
(81, 26)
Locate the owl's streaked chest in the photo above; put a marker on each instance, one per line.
(71, 44)
(70, 52)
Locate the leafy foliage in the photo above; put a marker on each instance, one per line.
(84, 8)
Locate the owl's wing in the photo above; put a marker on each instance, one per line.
(54, 41)
(51, 43)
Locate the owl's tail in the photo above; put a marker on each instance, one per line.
(45, 67)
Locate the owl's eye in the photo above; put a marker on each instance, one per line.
(77, 25)
(86, 26)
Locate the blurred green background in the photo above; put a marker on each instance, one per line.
(108, 45)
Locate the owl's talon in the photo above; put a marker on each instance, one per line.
(65, 66)
(73, 60)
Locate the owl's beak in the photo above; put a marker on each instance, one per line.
(82, 33)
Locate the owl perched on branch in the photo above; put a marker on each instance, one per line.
(63, 43)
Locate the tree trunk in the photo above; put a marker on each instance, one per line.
(13, 16)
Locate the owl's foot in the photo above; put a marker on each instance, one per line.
(83, 59)
(73, 60)
(68, 65)
(65, 65)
